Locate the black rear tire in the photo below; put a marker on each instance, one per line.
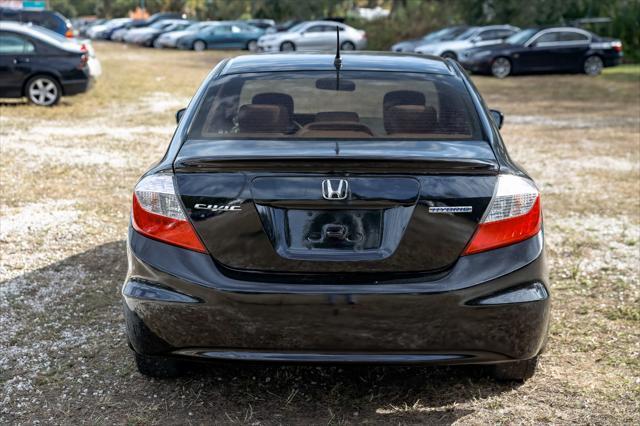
(501, 67)
(159, 367)
(43, 90)
(199, 46)
(517, 371)
(449, 55)
(287, 46)
(347, 45)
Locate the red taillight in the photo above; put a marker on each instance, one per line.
(83, 61)
(69, 33)
(515, 214)
(159, 214)
(83, 47)
(617, 46)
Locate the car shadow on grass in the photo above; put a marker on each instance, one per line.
(270, 393)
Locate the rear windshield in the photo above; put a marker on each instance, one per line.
(325, 105)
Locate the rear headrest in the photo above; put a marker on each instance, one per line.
(263, 119)
(273, 98)
(403, 97)
(410, 119)
(337, 116)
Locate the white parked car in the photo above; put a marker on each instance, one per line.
(314, 35)
(473, 37)
(170, 39)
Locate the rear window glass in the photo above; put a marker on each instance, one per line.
(368, 105)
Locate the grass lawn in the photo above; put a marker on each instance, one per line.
(67, 175)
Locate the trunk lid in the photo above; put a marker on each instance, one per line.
(272, 211)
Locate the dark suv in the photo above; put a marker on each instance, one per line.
(43, 18)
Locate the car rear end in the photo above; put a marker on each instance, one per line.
(306, 219)
(609, 49)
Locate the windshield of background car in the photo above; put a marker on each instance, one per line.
(297, 27)
(306, 105)
(467, 34)
(521, 36)
(437, 35)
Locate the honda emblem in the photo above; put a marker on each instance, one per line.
(335, 189)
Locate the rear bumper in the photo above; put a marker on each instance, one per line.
(74, 87)
(178, 303)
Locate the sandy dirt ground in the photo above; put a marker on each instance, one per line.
(66, 177)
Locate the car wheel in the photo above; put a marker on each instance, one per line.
(158, 366)
(515, 371)
(287, 46)
(449, 55)
(199, 45)
(501, 67)
(347, 45)
(252, 46)
(43, 90)
(593, 65)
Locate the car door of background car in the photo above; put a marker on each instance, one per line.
(218, 36)
(240, 34)
(315, 37)
(557, 51)
(571, 49)
(16, 53)
(538, 54)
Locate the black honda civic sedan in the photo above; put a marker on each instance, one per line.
(40, 65)
(544, 50)
(317, 211)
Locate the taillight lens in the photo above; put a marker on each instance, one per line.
(69, 33)
(514, 215)
(157, 213)
(84, 58)
(617, 46)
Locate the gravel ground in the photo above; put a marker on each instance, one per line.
(67, 174)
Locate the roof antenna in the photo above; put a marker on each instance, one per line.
(337, 62)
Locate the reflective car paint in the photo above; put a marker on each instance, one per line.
(527, 57)
(421, 316)
(61, 60)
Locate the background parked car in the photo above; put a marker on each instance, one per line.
(103, 31)
(556, 49)
(224, 35)
(472, 37)
(44, 18)
(95, 68)
(148, 38)
(445, 34)
(40, 67)
(314, 35)
(143, 34)
(170, 38)
(119, 35)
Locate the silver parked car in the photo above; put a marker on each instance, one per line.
(314, 35)
(170, 39)
(473, 37)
